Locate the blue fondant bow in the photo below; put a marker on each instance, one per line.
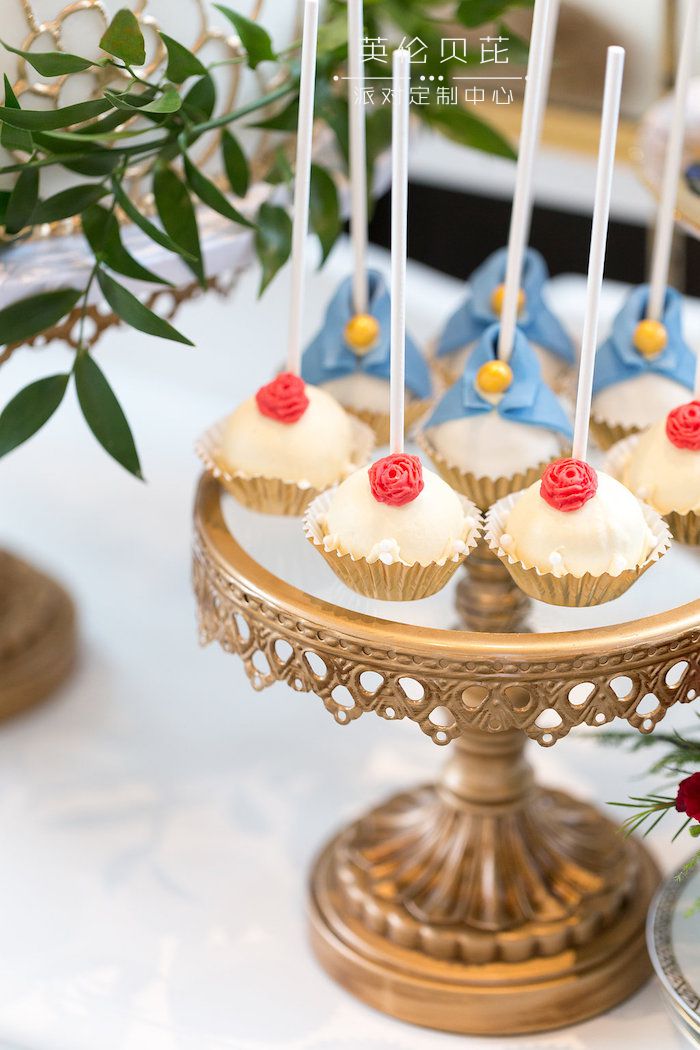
(476, 314)
(618, 359)
(329, 357)
(527, 400)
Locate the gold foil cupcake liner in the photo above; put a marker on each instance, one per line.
(685, 528)
(415, 410)
(392, 583)
(273, 495)
(573, 591)
(482, 491)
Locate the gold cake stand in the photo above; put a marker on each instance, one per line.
(482, 904)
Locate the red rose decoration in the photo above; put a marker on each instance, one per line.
(284, 399)
(568, 483)
(396, 479)
(683, 426)
(688, 797)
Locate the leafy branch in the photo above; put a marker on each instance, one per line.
(98, 140)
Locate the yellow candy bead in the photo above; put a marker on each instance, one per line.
(494, 377)
(499, 294)
(650, 337)
(362, 333)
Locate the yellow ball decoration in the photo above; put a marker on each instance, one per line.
(650, 337)
(362, 333)
(494, 377)
(499, 294)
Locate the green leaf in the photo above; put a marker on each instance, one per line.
(334, 110)
(29, 410)
(255, 40)
(51, 63)
(104, 415)
(13, 138)
(4, 201)
(151, 230)
(273, 241)
(469, 130)
(181, 62)
(200, 100)
(472, 13)
(235, 163)
(22, 202)
(280, 170)
(285, 120)
(168, 102)
(51, 119)
(324, 210)
(126, 305)
(102, 233)
(211, 195)
(34, 314)
(177, 214)
(68, 202)
(101, 162)
(124, 39)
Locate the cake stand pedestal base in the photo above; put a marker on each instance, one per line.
(37, 635)
(484, 904)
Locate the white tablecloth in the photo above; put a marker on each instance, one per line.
(157, 817)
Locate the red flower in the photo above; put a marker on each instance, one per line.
(683, 426)
(568, 483)
(688, 797)
(284, 399)
(396, 479)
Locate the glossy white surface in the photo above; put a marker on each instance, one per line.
(158, 818)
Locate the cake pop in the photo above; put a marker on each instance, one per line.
(578, 537)
(281, 447)
(495, 430)
(394, 531)
(350, 358)
(645, 368)
(483, 308)
(509, 287)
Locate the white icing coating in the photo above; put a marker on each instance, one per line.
(315, 451)
(430, 528)
(490, 446)
(638, 402)
(360, 391)
(665, 476)
(553, 367)
(608, 534)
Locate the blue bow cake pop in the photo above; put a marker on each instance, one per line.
(643, 369)
(499, 425)
(483, 308)
(350, 358)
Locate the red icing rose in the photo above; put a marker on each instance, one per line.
(284, 399)
(683, 426)
(396, 479)
(688, 797)
(568, 483)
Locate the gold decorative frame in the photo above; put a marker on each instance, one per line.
(483, 903)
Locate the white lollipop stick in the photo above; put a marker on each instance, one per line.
(302, 182)
(522, 195)
(399, 248)
(543, 94)
(663, 239)
(358, 156)
(696, 391)
(599, 235)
